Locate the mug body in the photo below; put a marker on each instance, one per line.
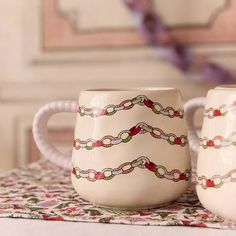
(130, 147)
(216, 168)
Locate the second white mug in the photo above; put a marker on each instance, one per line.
(216, 147)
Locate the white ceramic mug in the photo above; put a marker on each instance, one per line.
(216, 164)
(130, 147)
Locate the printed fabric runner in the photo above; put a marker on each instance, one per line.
(44, 191)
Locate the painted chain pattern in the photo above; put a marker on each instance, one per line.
(126, 135)
(141, 100)
(126, 168)
(216, 181)
(218, 141)
(211, 112)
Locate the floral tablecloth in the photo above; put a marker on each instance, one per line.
(39, 192)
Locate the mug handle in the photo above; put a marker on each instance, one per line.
(190, 108)
(40, 132)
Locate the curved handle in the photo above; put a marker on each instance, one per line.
(40, 132)
(190, 108)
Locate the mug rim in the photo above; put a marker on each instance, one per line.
(134, 89)
(226, 87)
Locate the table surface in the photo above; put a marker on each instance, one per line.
(43, 196)
(26, 227)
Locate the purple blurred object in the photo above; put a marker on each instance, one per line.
(156, 34)
(215, 73)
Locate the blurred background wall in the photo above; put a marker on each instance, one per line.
(53, 49)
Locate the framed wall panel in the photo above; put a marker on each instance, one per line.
(79, 31)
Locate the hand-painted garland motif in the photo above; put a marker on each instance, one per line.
(222, 110)
(126, 135)
(211, 112)
(126, 168)
(218, 141)
(216, 181)
(141, 100)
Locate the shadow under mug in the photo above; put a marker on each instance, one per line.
(130, 147)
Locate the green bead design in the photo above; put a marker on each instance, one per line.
(126, 140)
(109, 177)
(170, 142)
(89, 148)
(159, 175)
(155, 111)
(111, 113)
(219, 185)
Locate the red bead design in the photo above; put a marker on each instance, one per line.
(99, 175)
(151, 166)
(98, 144)
(176, 113)
(210, 183)
(148, 103)
(216, 112)
(178, 141)
(210, 143)
(134, 131)
(73, 171)
(182, 176)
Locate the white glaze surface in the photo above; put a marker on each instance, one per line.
(212, 161)
(140, 188)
